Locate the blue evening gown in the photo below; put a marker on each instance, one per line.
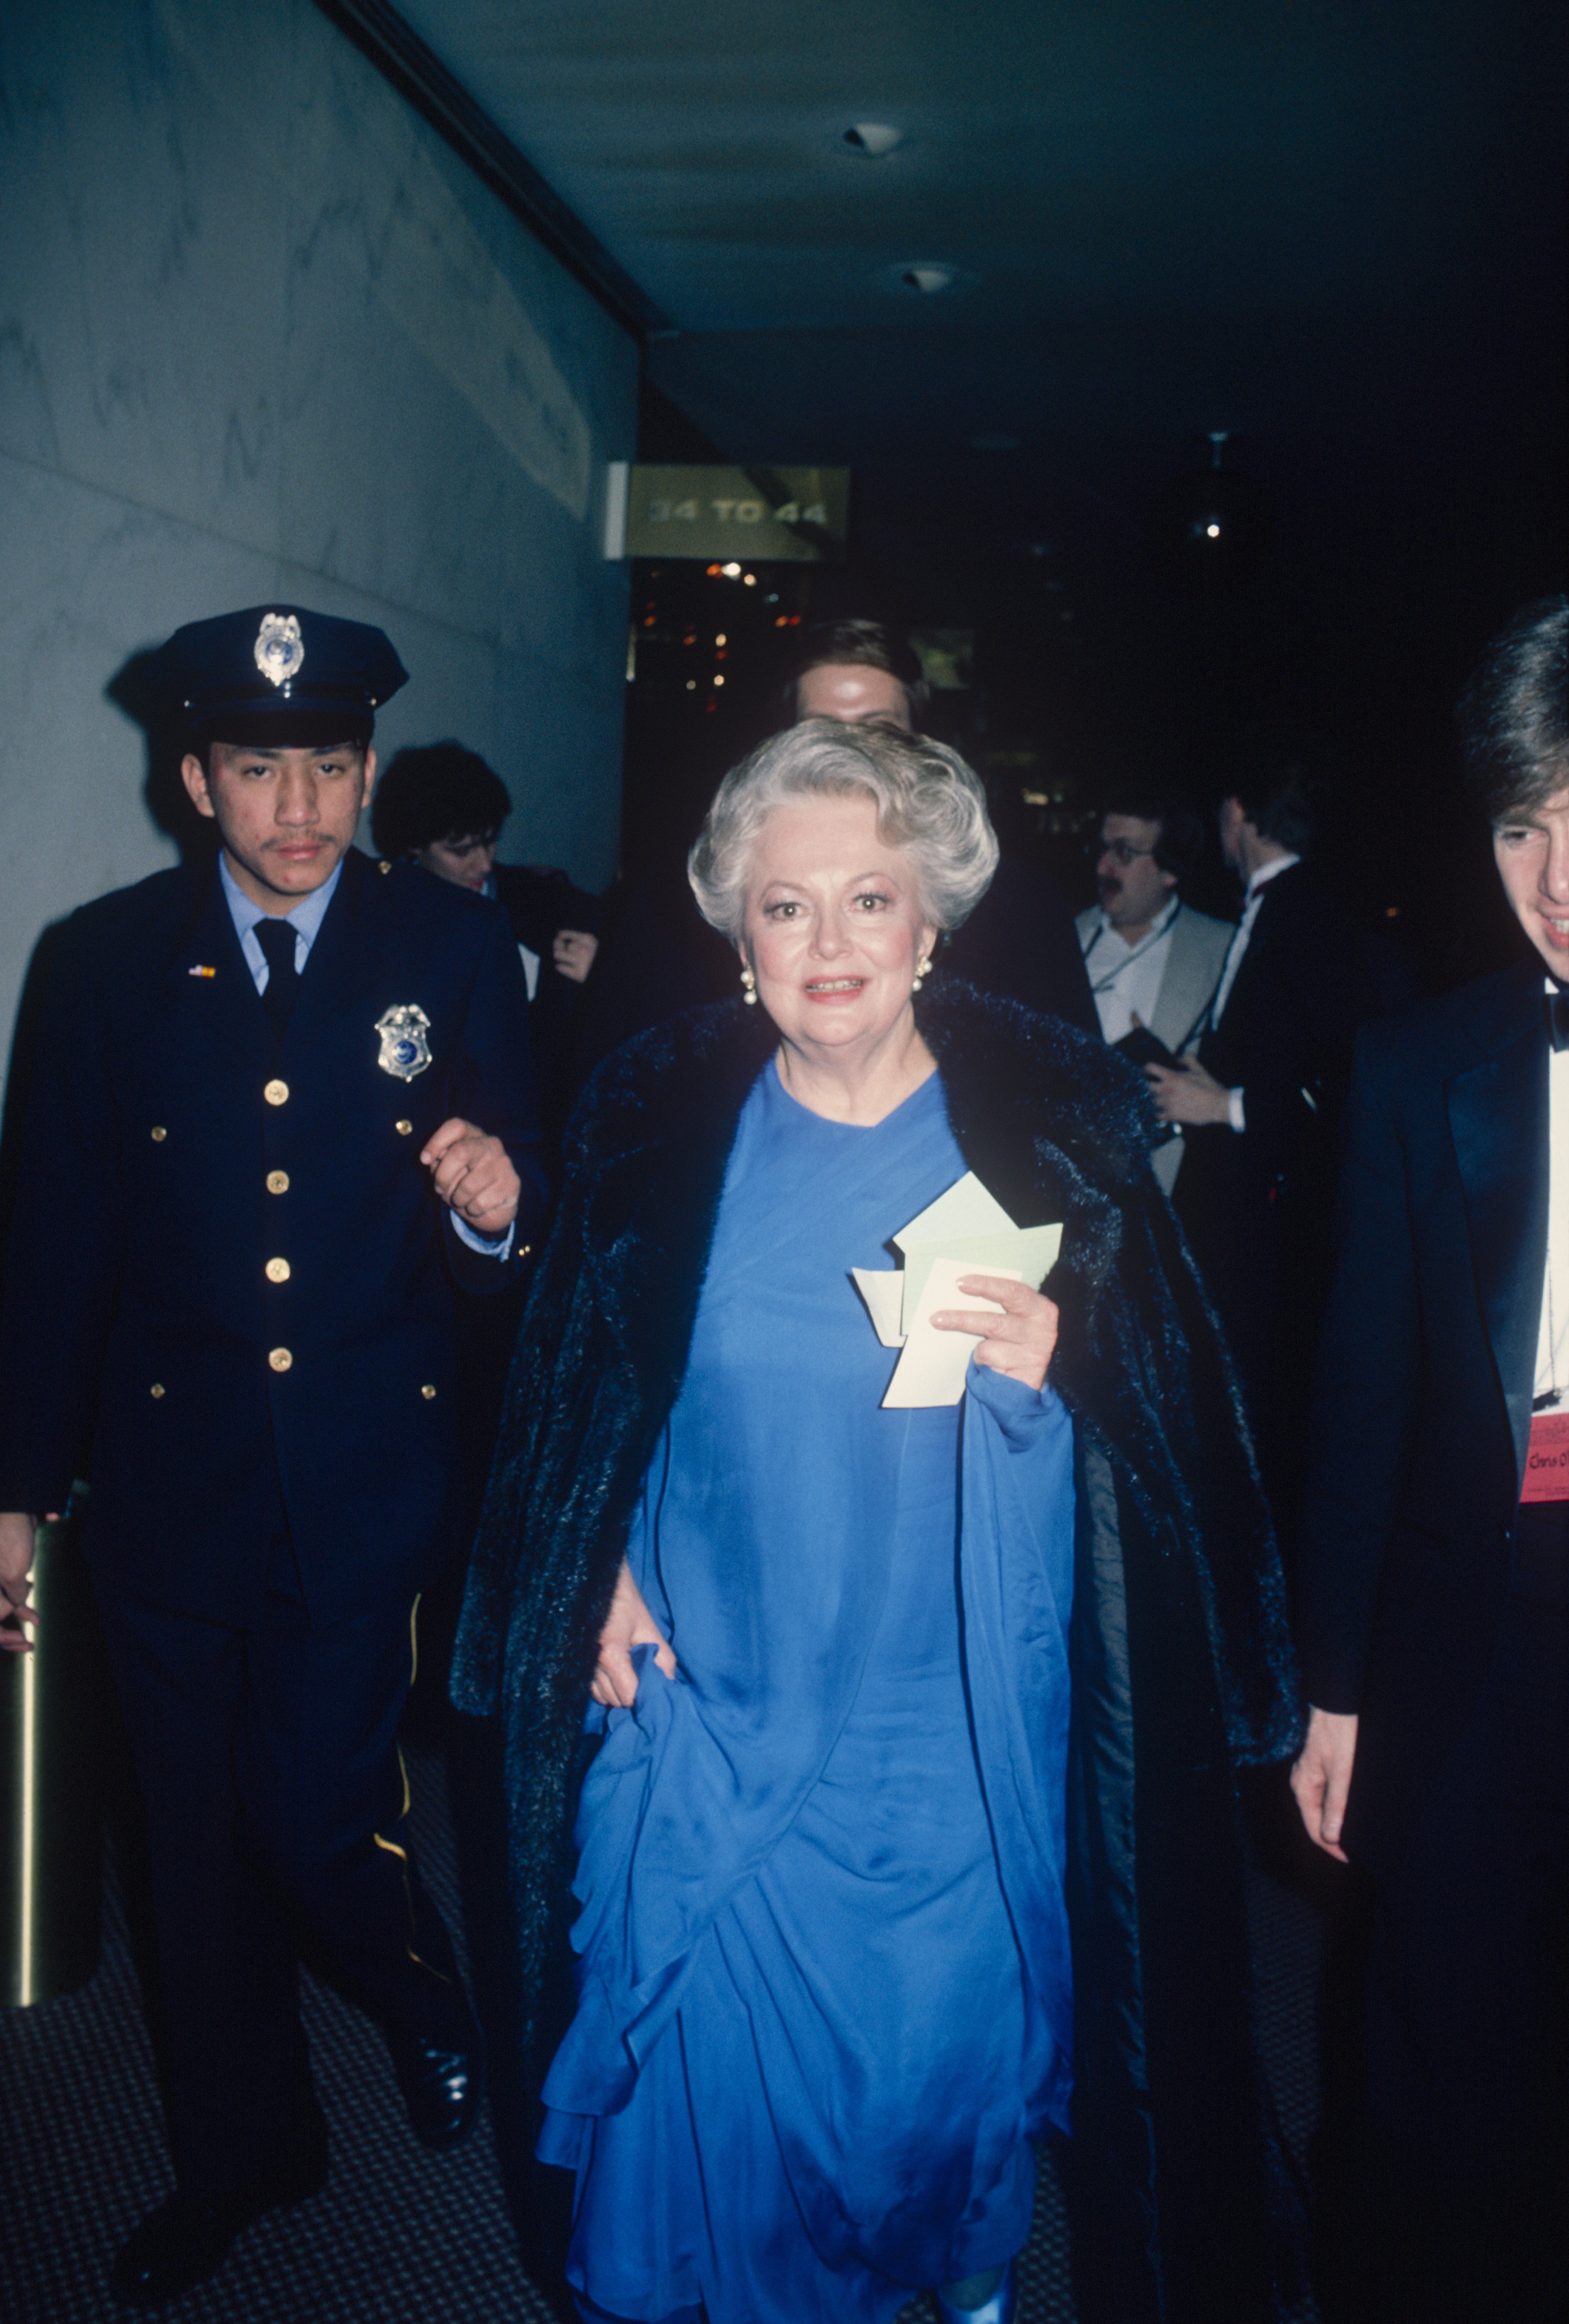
(824, 1990)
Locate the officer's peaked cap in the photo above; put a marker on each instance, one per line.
(280, 674)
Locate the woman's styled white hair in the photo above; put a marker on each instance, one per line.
(928, 802)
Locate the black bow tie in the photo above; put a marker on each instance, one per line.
(1558, 1019)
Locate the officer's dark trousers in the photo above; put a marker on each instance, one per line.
(268, 1763)
(1462, 2182)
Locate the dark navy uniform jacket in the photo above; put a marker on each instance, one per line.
(227, 1263)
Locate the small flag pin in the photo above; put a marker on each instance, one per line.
(201, 971)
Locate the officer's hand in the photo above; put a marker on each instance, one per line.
(472, 1174)
(17, 1535)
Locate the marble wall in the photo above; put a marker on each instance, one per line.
(261, 335)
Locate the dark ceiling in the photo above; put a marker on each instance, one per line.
(1334, 227)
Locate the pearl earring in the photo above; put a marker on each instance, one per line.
(921, 966)
(749, 987)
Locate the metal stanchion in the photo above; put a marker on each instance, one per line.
(51, 1781)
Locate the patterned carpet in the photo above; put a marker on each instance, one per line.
(399, 2236)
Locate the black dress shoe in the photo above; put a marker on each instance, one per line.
(187, 2240)
(179, 2245)
(440, 2082)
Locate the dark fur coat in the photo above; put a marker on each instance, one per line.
(1182, 1664)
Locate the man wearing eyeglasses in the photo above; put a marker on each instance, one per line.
(1153, 962)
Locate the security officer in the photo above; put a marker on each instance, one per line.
(283, 1102)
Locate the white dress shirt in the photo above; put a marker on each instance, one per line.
(1126, 978)
(1553, 1338)
(1251, 907)
(305, 918)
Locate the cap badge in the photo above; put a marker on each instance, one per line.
(279, 648)
(405, 1051)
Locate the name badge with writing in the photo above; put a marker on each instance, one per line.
(1548, 1459)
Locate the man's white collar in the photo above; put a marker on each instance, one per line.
(1154, 932)
(1270, 871)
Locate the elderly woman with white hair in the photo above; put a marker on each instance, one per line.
(906, 1836)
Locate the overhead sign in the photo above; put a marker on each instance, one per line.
(795, 516)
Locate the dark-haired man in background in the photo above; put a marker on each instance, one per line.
(441, 806)
(1153, 962)
(660, 956)
(1019, 942)
(1434, 1572)
(857, 670)
(283, 1099)
(1260, 1102)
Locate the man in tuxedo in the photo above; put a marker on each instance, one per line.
(1260, 1103)
(1434, 1572)
(281, 1103)
(1152, 961)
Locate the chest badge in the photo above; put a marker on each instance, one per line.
(405, 1051)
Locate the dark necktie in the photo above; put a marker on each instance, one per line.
(276, 938)
(1558, 1019)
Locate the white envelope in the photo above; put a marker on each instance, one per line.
(967, 1208)
(1028, 1252)
(882, 1289)
(965, 1231)
(932, 1368)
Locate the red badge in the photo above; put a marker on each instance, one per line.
(1548, 1459)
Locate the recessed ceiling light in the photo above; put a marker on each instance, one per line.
(873, 138)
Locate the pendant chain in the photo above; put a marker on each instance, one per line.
(1145, 944)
